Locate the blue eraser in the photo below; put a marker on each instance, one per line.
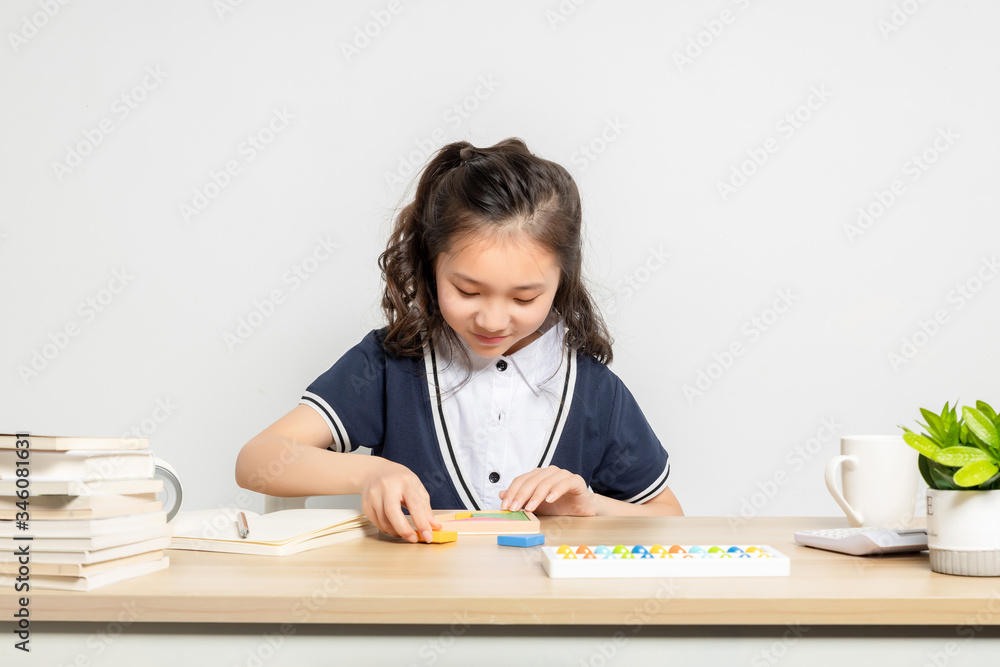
(520, 540)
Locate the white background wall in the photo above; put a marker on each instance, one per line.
(100, 156)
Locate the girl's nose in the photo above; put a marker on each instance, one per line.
(492, 317)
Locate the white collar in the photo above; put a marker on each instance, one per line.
(537, 363)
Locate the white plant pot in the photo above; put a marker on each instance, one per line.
(963, 532)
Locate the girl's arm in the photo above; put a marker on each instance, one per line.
(289, 458)
(664, 504)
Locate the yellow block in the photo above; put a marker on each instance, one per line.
(442, 536)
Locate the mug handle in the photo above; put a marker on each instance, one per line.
(854, 517)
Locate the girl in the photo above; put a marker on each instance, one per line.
(488, 388)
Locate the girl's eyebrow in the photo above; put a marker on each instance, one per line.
(476, 282)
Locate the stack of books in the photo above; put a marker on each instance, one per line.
(92, 512)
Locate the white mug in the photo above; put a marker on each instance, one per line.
(879, 480)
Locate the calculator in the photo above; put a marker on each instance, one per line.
(864, 541)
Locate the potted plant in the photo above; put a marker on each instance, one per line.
(960, 461)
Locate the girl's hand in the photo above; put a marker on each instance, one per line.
(389, 488)
(550, 490)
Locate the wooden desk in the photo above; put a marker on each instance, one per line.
(473, 602)
(373, 581)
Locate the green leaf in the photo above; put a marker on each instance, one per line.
(991, 484)
(945, 411)
(951, 440)
(985, 408)
(975, 473)
(982, 426)
(957, 457)
(935, 425)
(922, 444)
(942, 477)
(922, 466)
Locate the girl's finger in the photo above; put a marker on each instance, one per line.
(419, 507)
(530, 485)
(519, 492)
(375, 516)
(397, 520)
(553, 485)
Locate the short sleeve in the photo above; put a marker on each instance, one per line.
(351, 396)
(634, 467)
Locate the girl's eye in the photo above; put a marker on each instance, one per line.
(464, 293)
(526, 301)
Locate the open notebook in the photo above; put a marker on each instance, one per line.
(274, 534)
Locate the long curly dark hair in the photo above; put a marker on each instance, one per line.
(465, 191)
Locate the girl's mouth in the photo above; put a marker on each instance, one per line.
(489, 340)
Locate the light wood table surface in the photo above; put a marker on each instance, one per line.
(474, 582)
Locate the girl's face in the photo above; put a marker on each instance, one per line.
(496, 293)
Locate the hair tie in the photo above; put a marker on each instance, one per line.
(470, 153)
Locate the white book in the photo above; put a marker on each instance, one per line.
(37, 567)
(82, 513)
(83, 557)
(274, 534)
(77, 487)
(62, 443)
(82, 527)
(86, 465)
(92, 543)
(66, 502)
(89, 583)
